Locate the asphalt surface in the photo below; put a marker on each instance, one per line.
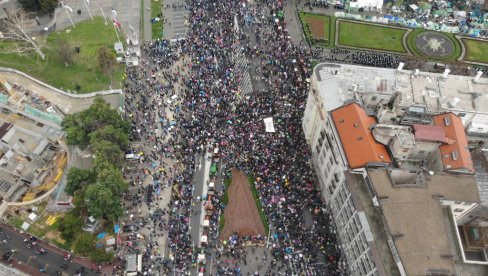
(50, 261)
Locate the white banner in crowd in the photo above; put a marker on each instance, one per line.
(268, 122)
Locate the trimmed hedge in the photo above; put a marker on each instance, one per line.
(255, 194)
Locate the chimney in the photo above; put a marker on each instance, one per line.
(478, 76)
(446, 72)
(400, 66)
(416, 72)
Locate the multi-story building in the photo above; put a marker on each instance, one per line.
(391, 171)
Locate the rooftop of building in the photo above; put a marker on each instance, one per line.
(339, 83)
(455, 152)
(415, 217)
(429, 133)
(353, 127)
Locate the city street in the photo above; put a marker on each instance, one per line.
(50, 261)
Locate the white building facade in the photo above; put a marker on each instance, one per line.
(330, 164)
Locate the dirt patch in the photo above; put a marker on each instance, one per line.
(316, 26)
(241, 214)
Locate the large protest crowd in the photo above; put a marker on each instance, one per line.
(186, 96)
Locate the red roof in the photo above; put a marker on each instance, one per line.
(429, 133)
(353, 126)
(455, 154)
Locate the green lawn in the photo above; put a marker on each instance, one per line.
(156, 28)
(476, 50)
(450, 58)
(89, 36)
(318, 26)
(371, 36)
(255, 194)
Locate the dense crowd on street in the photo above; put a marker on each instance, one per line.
(177, 114)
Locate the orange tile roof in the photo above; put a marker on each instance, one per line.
(360, 147)
(455, 154)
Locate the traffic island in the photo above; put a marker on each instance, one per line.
(241, 215)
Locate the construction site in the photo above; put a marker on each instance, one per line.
(32, 160)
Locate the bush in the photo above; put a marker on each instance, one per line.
(255, 194)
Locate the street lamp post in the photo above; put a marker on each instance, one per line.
(86, 4)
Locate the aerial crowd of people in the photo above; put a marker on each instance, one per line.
(187, 95)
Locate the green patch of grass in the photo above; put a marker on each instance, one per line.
(37, 231)
(255, 194)
(89, 36)
(16, 221)
(450, 58)
(369, 36)
(327, 39)
(476, 50)
(66, 246)
(225, 196)
(157, 27)
(221, 222)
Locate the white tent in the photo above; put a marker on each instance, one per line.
(378, 4)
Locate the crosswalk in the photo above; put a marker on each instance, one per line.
(180, 23)
(245, 85)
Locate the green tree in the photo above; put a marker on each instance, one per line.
(102, 202)
(100, 256)
(70, 225)
(30, 5)
(80, 125)
(109, 133)
(110, 152)
(47, 6)
(113, 180)
(78, 178)
(106, 60)
(84, 244)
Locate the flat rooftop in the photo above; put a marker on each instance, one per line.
(337, 83)
(416, 217)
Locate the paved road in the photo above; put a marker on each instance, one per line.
(50, 261)
(147, 28)
(176, 14)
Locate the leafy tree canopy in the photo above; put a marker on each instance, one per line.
(100, 256)
(113, 180)
(80, 125)
(84, 243)
(70, 225)
(109, 133)
(77, 178)
(39, 5)
(102, 202)
(110, 152)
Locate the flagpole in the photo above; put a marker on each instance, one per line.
(86, 4)
(66, 8)
(114, 22)
(117, 33)
(103, 14)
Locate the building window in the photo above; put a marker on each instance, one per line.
(462, 114)
(447, 121)
(454, 155)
